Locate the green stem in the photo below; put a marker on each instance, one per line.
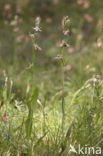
(15, 46)
(63, 102)
(33, 63)
(62, 71)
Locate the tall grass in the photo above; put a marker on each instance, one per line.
(47, 120)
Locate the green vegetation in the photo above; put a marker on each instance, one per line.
(51, 84)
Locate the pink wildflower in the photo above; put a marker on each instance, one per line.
(9, 16)
(36, 47)
(36, 29)
(58, 57)
(67, 32)
(64, 44)
(5, 119)
(88, 18)
(18, 9)
(32, 35)
(70, 50)
(7, 7)
(99, 43)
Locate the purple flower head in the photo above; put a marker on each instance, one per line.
(58, 57)
(36, 47)
(64, 44)
(39, 48)
(36, 29)
(32, 35)
(67, 32)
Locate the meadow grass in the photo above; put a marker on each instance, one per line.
(43, 112)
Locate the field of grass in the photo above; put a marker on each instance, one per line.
(51, 83)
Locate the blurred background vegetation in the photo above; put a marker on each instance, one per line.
(83, 86)
(85, 42)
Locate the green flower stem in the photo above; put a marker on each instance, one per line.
(15, 46)
(63, 102)
(33, 62)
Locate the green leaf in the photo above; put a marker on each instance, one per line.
(28, 127)
(32, 106)
(34, 98)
